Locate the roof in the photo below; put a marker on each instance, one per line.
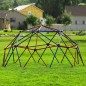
(3, 13)
(76, 10)
(17, 12)
(23, 6)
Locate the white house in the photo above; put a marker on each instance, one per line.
(78, 17)
(15, 18)
(11, 18)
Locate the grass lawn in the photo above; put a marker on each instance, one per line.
(9, 32)
(36, 74)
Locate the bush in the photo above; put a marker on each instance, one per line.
(59, 20)
(64, 19)
(49, 20)
(22, 26)
(5, 30)
(32, 20)
(80, 33)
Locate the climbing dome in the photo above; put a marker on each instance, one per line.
(42, 44)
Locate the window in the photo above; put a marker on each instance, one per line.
(29, 12)
(75, 22)
(83, 22)
(12, 20)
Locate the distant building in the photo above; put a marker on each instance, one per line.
(3, 19)
(11, 18)
(78, 17)
(15, 17)
(30, 9)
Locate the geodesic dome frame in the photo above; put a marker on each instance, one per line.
(48, 43)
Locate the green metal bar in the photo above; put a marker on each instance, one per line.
(66, 57)
(54, 56)
(80, 56)
(18, 56)
(9, 57)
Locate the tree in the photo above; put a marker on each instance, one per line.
(22, 26)
(67, 2)
(51, 7)
(72, 2)
(56, 8)
(76, 2)
(66, 18)
(32, 20)
(4, 7)
(32, 1)
(83, 1)
(15, 4)
(49, 20)
(82, 4)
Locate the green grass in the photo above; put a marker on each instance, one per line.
(36, 74)
(9, 32)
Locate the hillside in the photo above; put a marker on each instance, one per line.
(19, 1)
(6, 4)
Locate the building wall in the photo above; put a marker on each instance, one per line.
(1, 23)
(79, 20)
(78, 23)
(32, 10)
(69, 27)
(14, 18)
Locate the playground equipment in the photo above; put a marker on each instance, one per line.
(55, 41)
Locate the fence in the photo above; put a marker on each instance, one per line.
(69, 27)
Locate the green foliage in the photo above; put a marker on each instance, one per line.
(66, 18)
(76, 2)
(4, 7)
(49, 20)
(81, 33)
(25, 2)
(22, 26)
(32, 20)
(6, 4)
(59, 19)
(82, 4)
(15, 4)
(56, 8)
(5, 30)
(83, 1)
(72, 2)
(51, 7)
